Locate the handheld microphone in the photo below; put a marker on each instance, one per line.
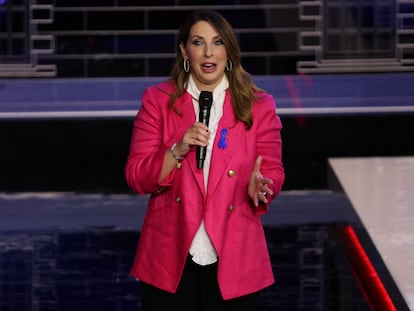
(205, 101)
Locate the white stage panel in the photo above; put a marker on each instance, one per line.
(381, 190)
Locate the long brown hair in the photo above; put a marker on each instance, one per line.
(243, 91)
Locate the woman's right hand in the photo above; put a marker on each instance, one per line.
(196, 135)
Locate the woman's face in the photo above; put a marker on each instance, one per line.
(207, 55)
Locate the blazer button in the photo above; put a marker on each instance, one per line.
(178, 199)
(231, 207)
(231, 173)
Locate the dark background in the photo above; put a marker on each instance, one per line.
(89, 155)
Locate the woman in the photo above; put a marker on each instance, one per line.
(202, 245)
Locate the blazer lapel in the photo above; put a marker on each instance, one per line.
(221, 157)
(185, 105)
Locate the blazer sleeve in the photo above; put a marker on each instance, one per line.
(269, 146)
(147, 149)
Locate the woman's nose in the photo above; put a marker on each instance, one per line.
(209, 50)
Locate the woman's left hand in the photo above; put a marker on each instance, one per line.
(258, 189)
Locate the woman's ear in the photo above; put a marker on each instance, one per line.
(183, 51)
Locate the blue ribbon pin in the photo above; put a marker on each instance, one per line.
(222, 142)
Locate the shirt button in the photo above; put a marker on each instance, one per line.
(231, 207)
(178, 199)
(232, 173)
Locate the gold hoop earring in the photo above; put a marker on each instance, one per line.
(186, 65)
(229, 65)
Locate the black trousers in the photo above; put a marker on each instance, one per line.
(198, 291)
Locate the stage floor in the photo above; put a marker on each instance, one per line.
(61, 251)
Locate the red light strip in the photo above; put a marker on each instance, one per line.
(367, 277)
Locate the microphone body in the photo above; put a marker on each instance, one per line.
(205, 101)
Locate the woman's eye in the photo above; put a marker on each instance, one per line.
(219, 42)
(197, 42)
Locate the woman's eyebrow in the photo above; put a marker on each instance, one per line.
(201, 37)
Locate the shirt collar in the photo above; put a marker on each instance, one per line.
(195, 92)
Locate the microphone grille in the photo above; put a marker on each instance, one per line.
(206, 99)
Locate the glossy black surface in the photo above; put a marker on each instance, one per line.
(88, 270)
(68, 251)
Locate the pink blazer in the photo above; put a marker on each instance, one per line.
(177, 206)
